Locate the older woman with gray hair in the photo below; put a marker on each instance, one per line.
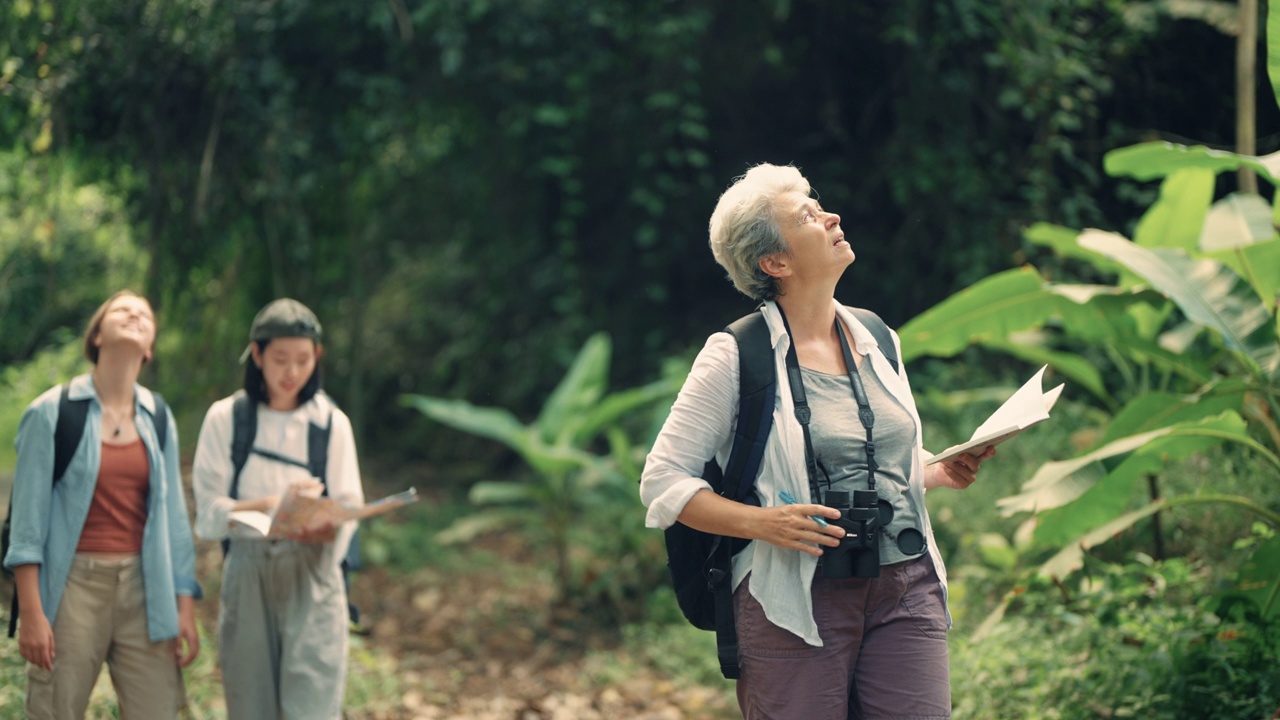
(820, 638)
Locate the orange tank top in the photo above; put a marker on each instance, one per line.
(118, 512)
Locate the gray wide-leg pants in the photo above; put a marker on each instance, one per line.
(282, 632)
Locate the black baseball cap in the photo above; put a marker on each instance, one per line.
(285, 317)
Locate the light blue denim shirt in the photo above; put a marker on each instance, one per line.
(47, 520)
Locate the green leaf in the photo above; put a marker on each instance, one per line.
(1259, 578)
(1273, 49)
(579, 389)
(613, 407)
(555, 461)
(1260, 265)
(1155, 410)
(1148, 161)
(497, 492)
(1238, 220)
(493, 423)
(1071, 365)
(1206, 291)
(1101, 313)
(1071, 557)
(1062, 240)
(996, 551)
(1187, 365)
(1113, 494)
(1057, 483)
(1176, 218)
(992, 308)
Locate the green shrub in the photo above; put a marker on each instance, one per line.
(1139, 639)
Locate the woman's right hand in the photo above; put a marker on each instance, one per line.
(788, 526)
(35, 640)
(793, 527)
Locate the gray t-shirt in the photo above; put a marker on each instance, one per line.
(840, 445)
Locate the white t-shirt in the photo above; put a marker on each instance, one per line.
(284, 433)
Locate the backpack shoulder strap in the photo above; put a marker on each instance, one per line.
(244, 428)
(880, 330)
(72, 415)
(318, 450)
(757, 392)
(161, 420)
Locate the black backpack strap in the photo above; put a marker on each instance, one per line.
(757, 394)
(72, 416)
(318, 451)
(880, 331)
(244, 428)
(160, 418)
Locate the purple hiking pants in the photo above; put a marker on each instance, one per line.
(884, 652)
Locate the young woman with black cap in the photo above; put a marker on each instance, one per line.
(282, 626)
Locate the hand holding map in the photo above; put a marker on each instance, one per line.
(1026, 407)
(299, 512)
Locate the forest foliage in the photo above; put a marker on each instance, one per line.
(466, 190)
(498, 209)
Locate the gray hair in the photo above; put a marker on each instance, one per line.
(744, 228)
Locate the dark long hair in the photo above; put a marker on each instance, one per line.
(255, 385)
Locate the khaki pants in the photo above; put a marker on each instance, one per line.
(103, 618)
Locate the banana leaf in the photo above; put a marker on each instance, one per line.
(1151, 160)
(580, 388)
(1206, 291)
(992, 308)
(1176, 218)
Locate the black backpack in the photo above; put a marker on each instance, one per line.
(244, 429)
(72, 416)
(701, 564)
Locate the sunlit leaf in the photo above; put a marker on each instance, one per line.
(1148, 161)
(1113, 494)
(1260, 265)
(1273, 51)
(1056, 483)
(1070, 558)
(992, 308)
(1178, 215)
(1206, 291)
(1155, 410)
(1238, 220)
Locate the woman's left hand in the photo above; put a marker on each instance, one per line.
(188, 635)
(958, 473)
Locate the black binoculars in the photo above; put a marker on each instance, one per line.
(858, 554)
